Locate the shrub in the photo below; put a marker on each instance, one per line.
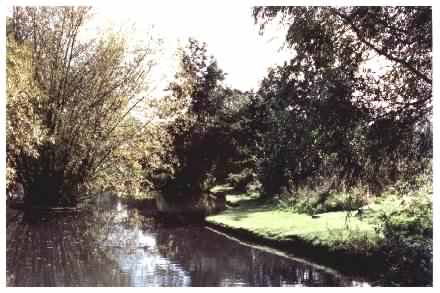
(406, 223)
(313, 202)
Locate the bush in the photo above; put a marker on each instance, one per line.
(314, 202)
(405, 220)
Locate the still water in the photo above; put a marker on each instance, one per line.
(111, 245)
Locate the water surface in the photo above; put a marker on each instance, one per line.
(111, 245)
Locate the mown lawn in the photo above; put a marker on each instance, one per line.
(334, 230)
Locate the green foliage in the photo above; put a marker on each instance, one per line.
(24, 130)
(407, 208)
(86, 90)
(325, 114)
(306, 200)
(327, 37)
(407, 225)
(123, 173)
(394, 228)
(199, 130)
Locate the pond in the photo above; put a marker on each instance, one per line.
(112, 245)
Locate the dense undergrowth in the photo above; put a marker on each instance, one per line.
(405, 219)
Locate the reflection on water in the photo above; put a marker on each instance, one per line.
(114, 246)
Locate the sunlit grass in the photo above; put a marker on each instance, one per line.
(241, 198)
(398, 213)
(335, 230)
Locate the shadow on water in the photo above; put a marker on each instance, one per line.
(111, 245)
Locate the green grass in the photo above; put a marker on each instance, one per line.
(221, 188)
(242, 198)
(232, 197)
(393, 236)
(333, 230)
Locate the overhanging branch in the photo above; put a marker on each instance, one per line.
(380, 51)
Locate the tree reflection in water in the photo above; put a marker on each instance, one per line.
(113, 246)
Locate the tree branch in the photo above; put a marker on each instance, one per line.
(380, 51)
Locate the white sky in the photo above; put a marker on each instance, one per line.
(231, 35)
(229, 31)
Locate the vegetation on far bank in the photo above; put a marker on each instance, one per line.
(395, 227)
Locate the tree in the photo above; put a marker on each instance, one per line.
(89, 88)
(303, 119)
(24, 132)
(199, 143)
(325, 114)
(348, 37)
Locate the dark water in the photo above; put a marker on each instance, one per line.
(115, 246)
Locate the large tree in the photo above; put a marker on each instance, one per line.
(398, 38)
(331, 110)
(198, 142)
(87, 89)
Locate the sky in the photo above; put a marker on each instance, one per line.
(230, 32)
(231, 35)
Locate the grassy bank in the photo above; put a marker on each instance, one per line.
(343, 234)
(387, 240)
(335, 230)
